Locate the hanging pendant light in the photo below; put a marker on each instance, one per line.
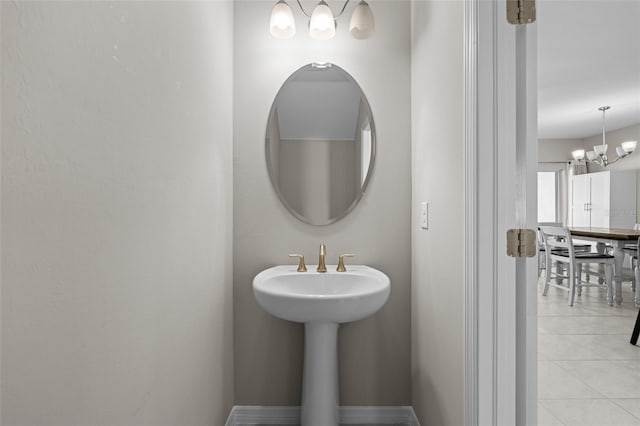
(599, 153)
(578, 154)
(626, 148)
(362, 24)
(601, 150)
(282, 24)
(322, 25)
(322, 22)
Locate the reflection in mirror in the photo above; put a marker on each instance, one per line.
(320, 143)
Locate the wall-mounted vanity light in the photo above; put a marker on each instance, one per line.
(322, 22)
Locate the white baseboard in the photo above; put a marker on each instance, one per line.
(255, 414)
(245, 415)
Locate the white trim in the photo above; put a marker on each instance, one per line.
(497, 393)
(482, 294)
(471, 212)
(506, 125)
(242, 415)
(526, 217)
(254, 414)
(490, 333)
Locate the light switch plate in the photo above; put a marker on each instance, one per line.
(424, 215)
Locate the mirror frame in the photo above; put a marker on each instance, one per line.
(374, 140)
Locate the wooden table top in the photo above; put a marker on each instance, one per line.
(609, 233)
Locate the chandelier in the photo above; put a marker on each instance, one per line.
(599, 153)
(322, 22)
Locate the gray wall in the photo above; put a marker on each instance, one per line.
(557, 150)
(116, 213)
(437, 112)
(375, 352)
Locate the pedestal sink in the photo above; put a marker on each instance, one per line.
(321, 301)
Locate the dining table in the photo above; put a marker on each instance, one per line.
(617, 238)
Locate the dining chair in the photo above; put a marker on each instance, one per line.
(636, 331)
(636, 328)
(632, 245)
(559, 248)
(636, 275)
(632, 252)
(542, 256)
(542, 262)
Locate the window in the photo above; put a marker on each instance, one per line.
(547, 197)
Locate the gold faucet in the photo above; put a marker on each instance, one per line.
(341, 267)
(301, 266)
(323, 252)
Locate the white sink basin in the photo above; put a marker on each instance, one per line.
(321, 301)
(321, 297)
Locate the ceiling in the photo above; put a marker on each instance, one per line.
(588, 56)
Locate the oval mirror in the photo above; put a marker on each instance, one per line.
(320, 143)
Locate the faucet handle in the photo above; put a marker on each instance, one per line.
(341, 267)
(321, 265)
(301, 266)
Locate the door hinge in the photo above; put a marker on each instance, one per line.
(521, 242)
(521, 11)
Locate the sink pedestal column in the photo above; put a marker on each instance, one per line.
(320, 401)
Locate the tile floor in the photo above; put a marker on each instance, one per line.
(588, 373)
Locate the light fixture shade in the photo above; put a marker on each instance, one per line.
(591, 155)
(578, 154)
(600, 149)
(621, 152)
(629, 146)
(282, 23)
(322, 25)
(363, 24)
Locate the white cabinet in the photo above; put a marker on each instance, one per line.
(604, 199)
(581, 194)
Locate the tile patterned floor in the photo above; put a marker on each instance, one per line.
(588, 373)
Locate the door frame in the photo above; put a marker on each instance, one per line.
(500, 193)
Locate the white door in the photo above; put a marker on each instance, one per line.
(501, 164)
(580, 200)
